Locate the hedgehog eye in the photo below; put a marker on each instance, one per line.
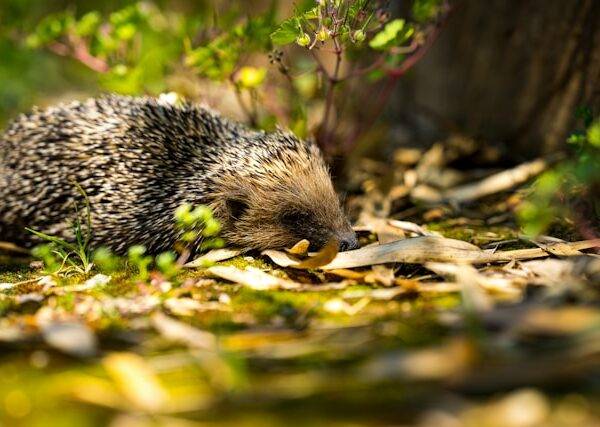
(236, 207)
(295, 219)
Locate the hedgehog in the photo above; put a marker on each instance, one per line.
(137, 159)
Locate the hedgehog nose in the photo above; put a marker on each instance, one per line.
(348, 242)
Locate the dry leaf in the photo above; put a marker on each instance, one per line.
(177, 331)
(72, 338)
(560, 321)
(212, 256)
(322, 257)
(496, 183)
(380, 274)
(252, 277)
(137, 381)
(300, 248)
(414, 250)
(339, 306)
(189, 306)
(94, 282)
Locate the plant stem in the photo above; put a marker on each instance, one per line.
(332, 80)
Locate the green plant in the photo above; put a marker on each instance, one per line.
(570, 189)
(137, 257)
(62, 257)
(327, 59)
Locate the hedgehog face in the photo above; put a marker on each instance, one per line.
(275, 200)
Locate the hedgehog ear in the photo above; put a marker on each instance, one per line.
(236, 207)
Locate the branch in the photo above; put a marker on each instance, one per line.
(78, 50)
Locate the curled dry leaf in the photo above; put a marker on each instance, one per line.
(300, 248)
(324, 256)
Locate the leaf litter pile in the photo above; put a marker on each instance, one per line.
(446, 316)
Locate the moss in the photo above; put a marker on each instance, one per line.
(477, 233)
(242, 262)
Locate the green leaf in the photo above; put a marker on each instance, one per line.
(126, 31)
(312, 13)
(394, 32)
(425, 10)
(287, 32)
(593, 134)
(88, 24)
(576, 138)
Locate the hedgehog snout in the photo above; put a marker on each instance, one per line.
(348, 241)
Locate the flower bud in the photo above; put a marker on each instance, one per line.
(303, 40)
(323, 34)
(359, 36)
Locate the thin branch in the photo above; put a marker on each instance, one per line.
(78, 50)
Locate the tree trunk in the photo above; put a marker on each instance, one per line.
(511, 71)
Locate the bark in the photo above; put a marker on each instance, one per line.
(511, 71)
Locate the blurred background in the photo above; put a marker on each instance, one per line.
(510, 74)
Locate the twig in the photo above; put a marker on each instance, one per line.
(333, 80)
(79, 51)
(394, 75)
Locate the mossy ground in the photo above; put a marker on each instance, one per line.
(282, 357)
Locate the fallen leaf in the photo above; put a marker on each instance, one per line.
(560, 321)
(212, 256)
(177, 331)
(380, 274)
(72, 338)
(252, 277)
(339, 306)
(137, 381)
(322, 257)
(189, 306)
(414, 250)
(93, 282)
(300, 248)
